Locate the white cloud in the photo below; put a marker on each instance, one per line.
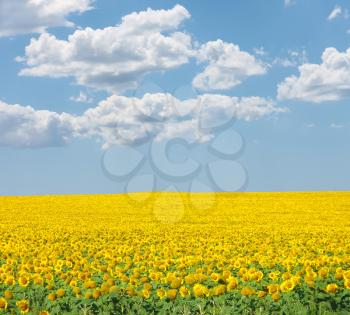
(25, 127)
(294, 58)
(127, 120)
(260, 51)
(34, 16)
(120, 119)
(151, 21)
(254, 107)
(336, 12)
(114, 58)
(289, 2)
(336, 126)
(81, 98)
(227, 66)
(328, 81)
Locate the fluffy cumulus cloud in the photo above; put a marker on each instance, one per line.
(34, 16)
(121, 119)
(227, 66)
(129, 120)
(115, 58)
(25, 127)
(328, 81)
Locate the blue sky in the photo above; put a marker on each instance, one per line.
(101, 77)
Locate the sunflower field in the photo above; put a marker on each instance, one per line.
(176, 253)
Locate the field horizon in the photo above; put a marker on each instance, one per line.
(181, 192)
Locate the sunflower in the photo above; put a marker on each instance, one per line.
(10, 280)
(200, 290)
(219, 290)
(60, 293)
(131, 291)
(347, 283)
(257, 276)
(88, 295)
(346, 274)
(184, 291)
(331, 288)
(161, 293)
(273, 288)
(23, 306)
(287, 286)
(215, 276)
(247, 291)
(276, 296)
(146, 293)
(190, 279)
(171, 294)
(323, 272)
(23, 281)
(273, 276)
(147, 286)
(3, 304)
(232, 284)
(51, 297)
(176, 283)
(8, 295)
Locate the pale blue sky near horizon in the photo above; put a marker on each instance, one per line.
(304, 148)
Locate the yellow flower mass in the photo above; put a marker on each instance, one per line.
(59, 254)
